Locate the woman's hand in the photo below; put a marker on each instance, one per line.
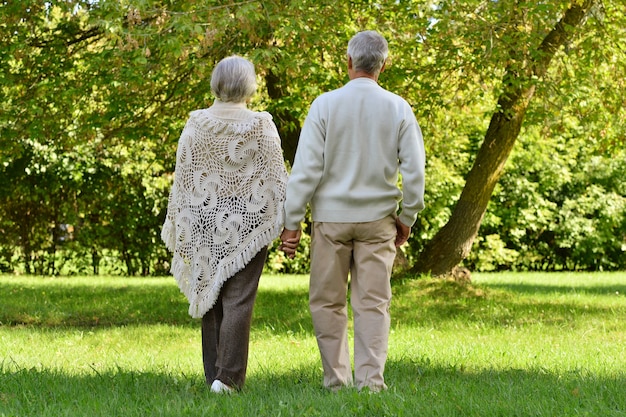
(290, 240)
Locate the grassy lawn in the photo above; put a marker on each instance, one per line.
(507, 345)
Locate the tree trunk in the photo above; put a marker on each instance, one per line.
(287, 124)
(453, 242)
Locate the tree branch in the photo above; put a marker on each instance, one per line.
(558, 36)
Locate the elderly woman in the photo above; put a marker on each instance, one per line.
(225, 208)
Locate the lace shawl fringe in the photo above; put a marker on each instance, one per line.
(200, 303)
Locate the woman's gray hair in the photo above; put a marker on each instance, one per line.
(233, 79)
(369, 51)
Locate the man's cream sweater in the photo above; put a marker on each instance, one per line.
(353, 143)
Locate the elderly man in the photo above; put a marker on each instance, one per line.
(353, 143)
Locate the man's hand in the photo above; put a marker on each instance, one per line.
(290, 240)
(403, 233)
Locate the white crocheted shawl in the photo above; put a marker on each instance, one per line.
(226, 202)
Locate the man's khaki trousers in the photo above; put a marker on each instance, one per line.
(366, 251)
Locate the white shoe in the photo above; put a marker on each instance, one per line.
(221, 388)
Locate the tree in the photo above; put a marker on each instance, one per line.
(453, 242)
(96, 93)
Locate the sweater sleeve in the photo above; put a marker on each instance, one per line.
(412, 159)
(307, 169)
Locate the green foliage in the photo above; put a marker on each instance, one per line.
(95, 94)
(562, 208)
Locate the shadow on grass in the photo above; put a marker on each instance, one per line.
(416, 302)
(435, 301)
(284, 310)
(416, 388)
(591, 289)
(510, 392)
(89, 306)
(84, 306)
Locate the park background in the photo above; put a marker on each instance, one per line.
(521, 105)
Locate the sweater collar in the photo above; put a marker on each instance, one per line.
(222, 105)
(363, 80)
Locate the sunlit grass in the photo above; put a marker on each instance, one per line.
(510, 344)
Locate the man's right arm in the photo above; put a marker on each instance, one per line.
(412, 167)
(307, 169)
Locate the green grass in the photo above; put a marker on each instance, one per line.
(508, 345)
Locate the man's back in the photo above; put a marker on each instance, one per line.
(352, 142)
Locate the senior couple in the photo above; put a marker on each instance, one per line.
(232, 196)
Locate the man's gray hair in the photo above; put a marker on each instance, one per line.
(368, 51)
(233, 79)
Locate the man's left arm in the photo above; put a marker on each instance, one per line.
(412, 159)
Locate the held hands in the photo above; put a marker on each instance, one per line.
(403, 233)
(290, 240)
